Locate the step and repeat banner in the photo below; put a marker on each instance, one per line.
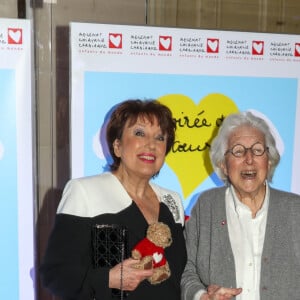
(202, 75)
(16, 161)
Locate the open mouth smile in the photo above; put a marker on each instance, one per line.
(248, 174)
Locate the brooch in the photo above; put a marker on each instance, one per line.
(172, 205)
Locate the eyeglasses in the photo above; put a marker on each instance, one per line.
(256, 149)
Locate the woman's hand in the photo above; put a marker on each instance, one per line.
(131, 276)
(216, 292)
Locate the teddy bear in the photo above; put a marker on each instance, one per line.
(150, 251)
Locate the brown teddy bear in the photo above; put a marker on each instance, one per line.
(150, 251)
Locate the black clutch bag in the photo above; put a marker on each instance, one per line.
(109, 245)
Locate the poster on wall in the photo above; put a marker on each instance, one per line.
(202, 76)
(16, 178)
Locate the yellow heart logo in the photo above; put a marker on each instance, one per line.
(197, 125)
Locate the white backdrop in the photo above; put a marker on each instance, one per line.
(202, 75)
(16, 165)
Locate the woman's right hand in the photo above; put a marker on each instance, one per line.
(216, 292)
(131, 276)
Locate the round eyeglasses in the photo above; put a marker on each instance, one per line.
(256, 149)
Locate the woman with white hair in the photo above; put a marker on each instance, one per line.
(243, 239)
